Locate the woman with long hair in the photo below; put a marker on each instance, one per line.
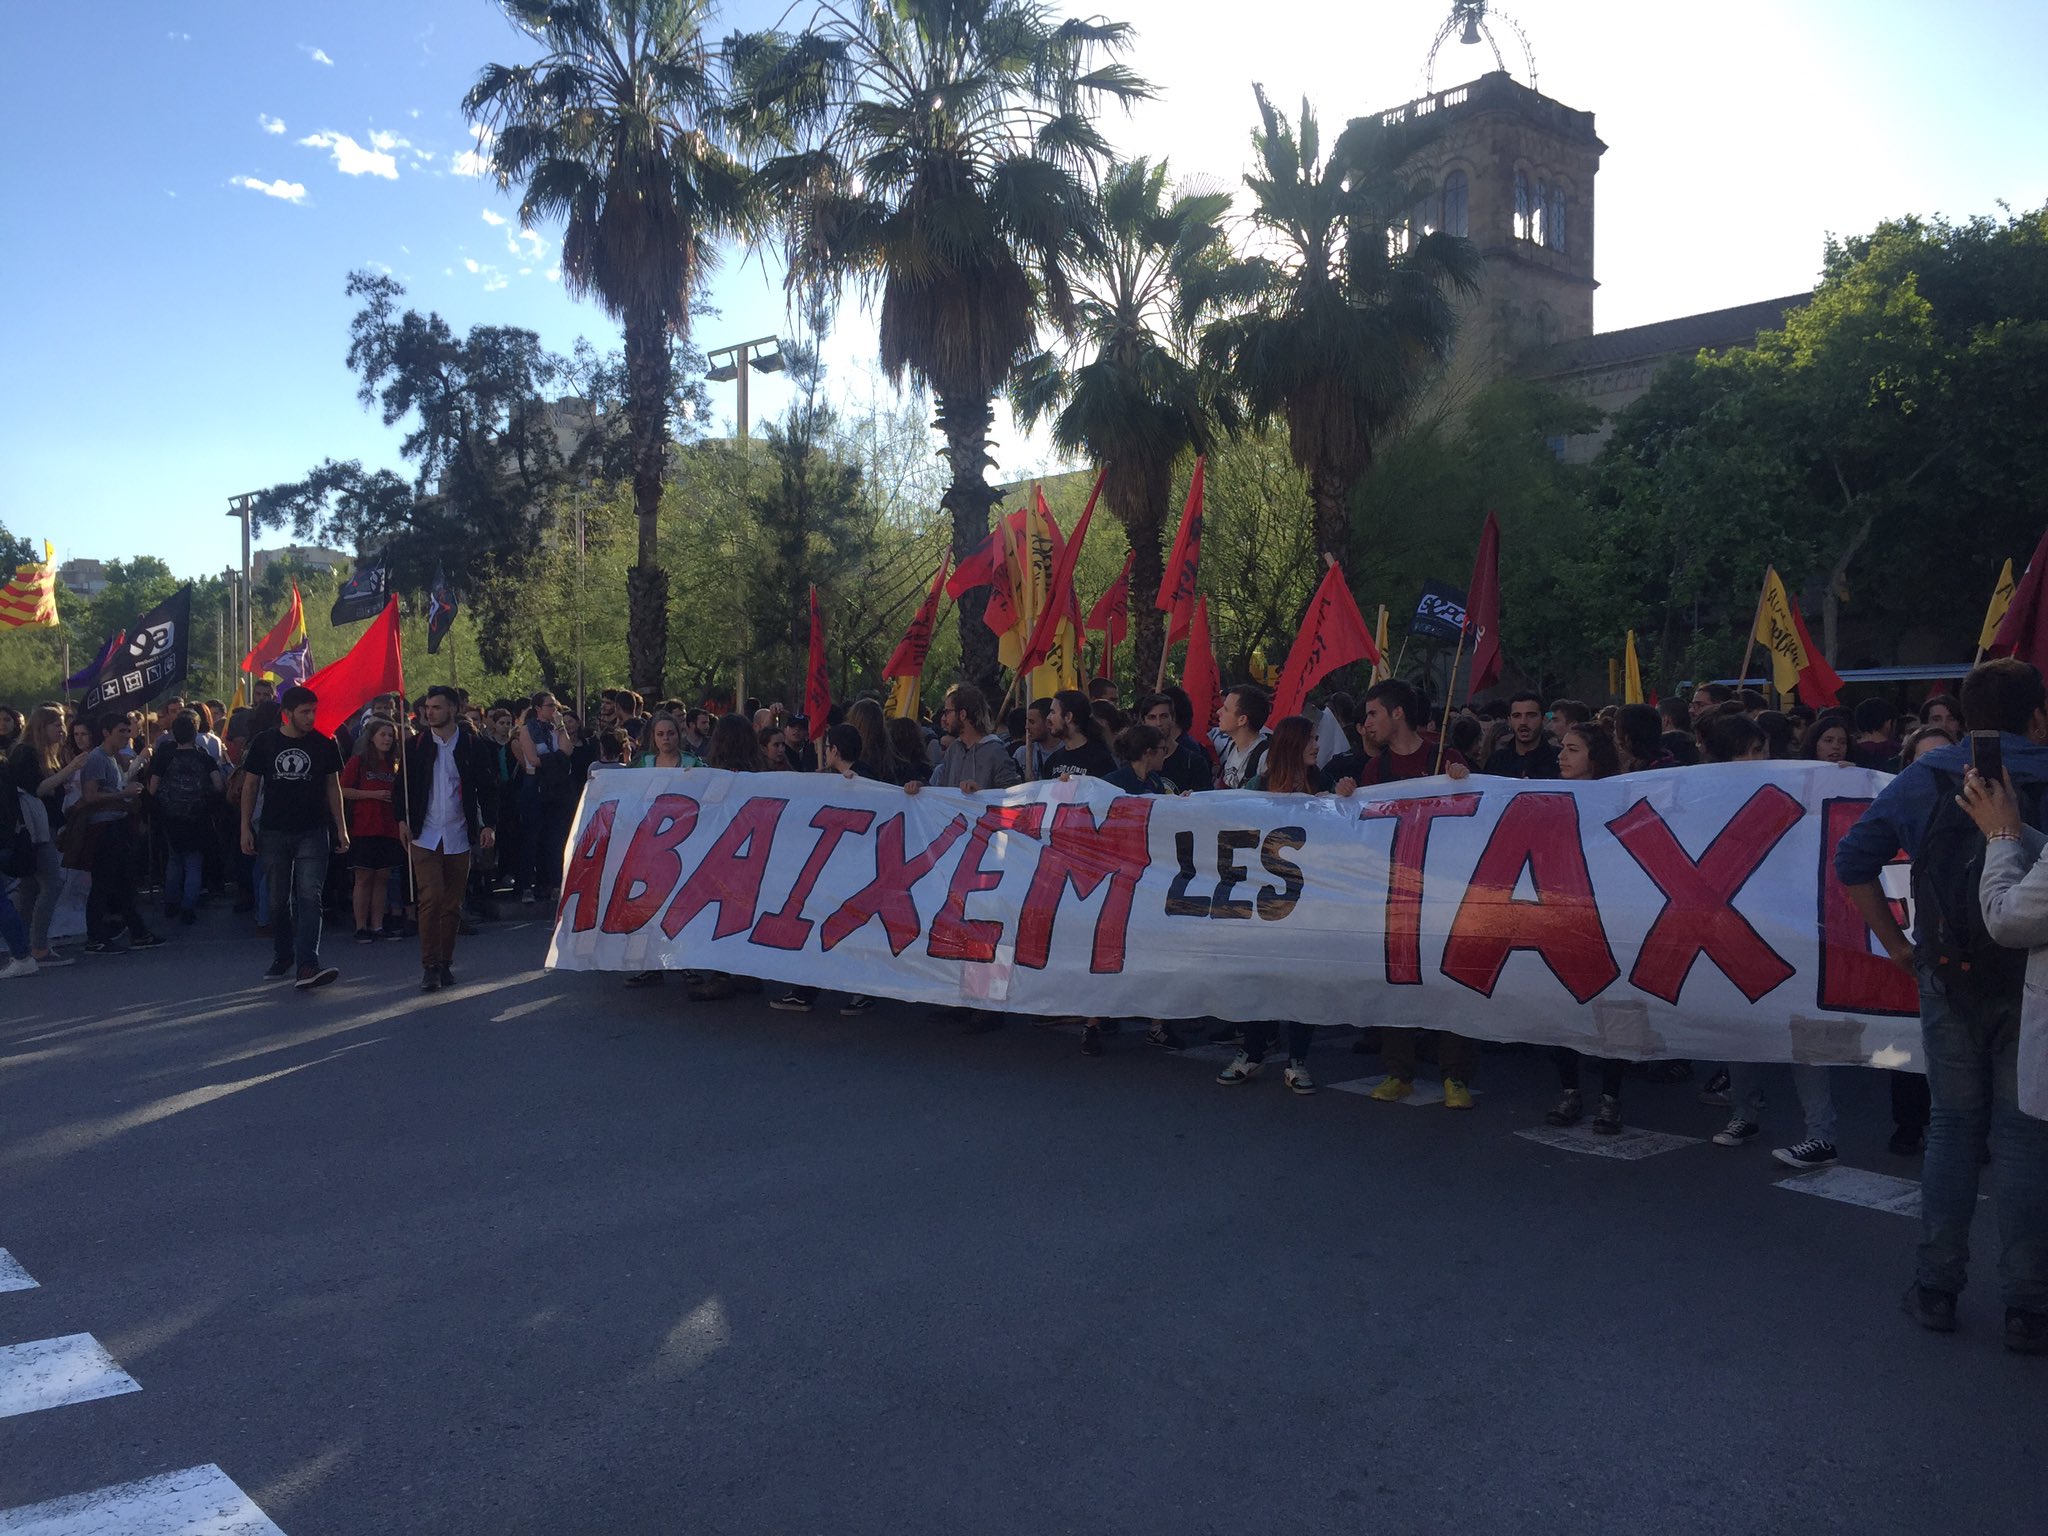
(369, 780)
(1587, 752)
(664, 748)
(1829, 738)
(913, 751)
(1290, 766)
(876, 749)
(41, 764)
(734, 747)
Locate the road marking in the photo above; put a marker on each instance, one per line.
(1858, 1186)
(521, 1010)
(1427, 1090)
(1629, 1144)
(199, 1501)
(52, 1372)
(12, 1276)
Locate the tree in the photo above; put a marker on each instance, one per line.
(1337, 330)
(935, 153)
(1128, 396)
(17, 551)
(611, 129)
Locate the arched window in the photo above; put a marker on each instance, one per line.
(1524, 213)
(1539, 222)
(1421, 220)
(1553, 219)
(1457, 200)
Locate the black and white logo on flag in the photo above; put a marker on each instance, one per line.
(152, 661)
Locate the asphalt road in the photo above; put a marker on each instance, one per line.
(543, 1254)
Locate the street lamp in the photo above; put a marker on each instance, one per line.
(763, 354)
(244, 507)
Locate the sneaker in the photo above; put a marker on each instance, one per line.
(1162, 1035)
(2026, 1333)
(1736, 1132)
(187, 916)
(1242, 1070)
(1608, 1121)
(713, 991)
(645, 979)
(1808, 1154)
(1297, 1079)
(430, 979)
(146, 940)
(311, 976)
(106, 947)
(1570, 1110)
(1908, 1141)
(1227, 1034)
(279, 969)
(447, 977)
(1091, 1040)
(54, 960)
(1456, 1094)
(1392, 1090)
(365, 936)
(1931, 1309)
(526, 898)
(1716, 1091)
(23, 965)
(791, 1002)
(856, 1005)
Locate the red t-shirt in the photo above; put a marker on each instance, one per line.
(1391, 767)
(369, 818)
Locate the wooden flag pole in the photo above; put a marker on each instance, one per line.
(1750, 649)
(1450, 693)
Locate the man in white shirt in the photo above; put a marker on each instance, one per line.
(447, 798)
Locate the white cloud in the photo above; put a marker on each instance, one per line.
(477, 161)
(317, 55)
(270, 124)
(471, 263)
(288, 191)
(179, 37)
(554, 274)
(412, 112)
(493, 219)
(495, 281)
(379, 139)
(526, 271)
(350, 158)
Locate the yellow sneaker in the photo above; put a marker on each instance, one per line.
(1392, 1090)
(1456, 1094)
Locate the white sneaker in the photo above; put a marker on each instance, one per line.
(1297, 1078)
(25, 966)
(1242, 1070)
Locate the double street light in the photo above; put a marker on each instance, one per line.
(763, 354)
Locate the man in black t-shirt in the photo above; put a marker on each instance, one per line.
(1079, 749)
(1529, 753)
(296, 770)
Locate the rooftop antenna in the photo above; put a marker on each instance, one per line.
(1473, 22)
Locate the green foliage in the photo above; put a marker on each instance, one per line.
(17, 550)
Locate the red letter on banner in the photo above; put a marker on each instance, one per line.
(1085, 855)
(1411, 820)
(1852, 978)
(955, 935)
(1699, 917)
(788, 928)
(888, 895)
(585, 874)
(651, 867)
(730, 874)
(1538, 832)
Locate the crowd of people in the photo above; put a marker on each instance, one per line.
(419, 823)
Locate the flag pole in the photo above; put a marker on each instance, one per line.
(1450, 694)
(1756, 618)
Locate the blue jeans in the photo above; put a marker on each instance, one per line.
(295, 869)
(183, 874)
(1971, 1049)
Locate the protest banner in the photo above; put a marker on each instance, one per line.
(1657, 914)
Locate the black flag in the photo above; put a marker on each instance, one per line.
(151, 662)
(440, 610)
(362, 595)
(1440, 615)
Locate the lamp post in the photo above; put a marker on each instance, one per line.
(763, 354)
(244, 507)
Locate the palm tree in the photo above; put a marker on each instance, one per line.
(1338, 328)
(1137, 403)
(935, 153)
(612, 130)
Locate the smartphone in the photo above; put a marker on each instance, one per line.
(1987, 756)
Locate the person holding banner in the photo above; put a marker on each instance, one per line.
(1587, 752)
(1171, 713)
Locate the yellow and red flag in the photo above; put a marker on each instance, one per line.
(906, 662)
(1796, 662)
(287, 634)
(29, 601)
(1631, 673)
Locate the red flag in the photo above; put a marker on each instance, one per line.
(817, 683)
(1333, 634)
(1112, 611)
(1482, 610)
(907, 660)
(1013, 554)
(2023, 632)
(1061, 603)
(369, 667)
(1199, 676)
(287, 632)
(1177, 586)
(978, 568)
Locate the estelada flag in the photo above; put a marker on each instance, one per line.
(1062, 606)
(370, 667)
(1177, 585)
(29, 601)
(1112, 611)
(1333, 635)
(1796, 662)
(289, 631)
(1199, 677)
(817, 681)
(907, 660)
(2023, 632)
(1482, 611)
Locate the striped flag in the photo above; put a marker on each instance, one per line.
(29, 601)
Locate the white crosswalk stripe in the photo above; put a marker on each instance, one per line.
(52, 1373)
(12, 1276)
(1858, 1186)
(199, 1501)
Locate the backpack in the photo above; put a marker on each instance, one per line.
(186, 792)
(1949, 936)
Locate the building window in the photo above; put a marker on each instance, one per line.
(1421, 220)
(1524, 212)
(1457, 200)
(1553, 219)
(1539, 223)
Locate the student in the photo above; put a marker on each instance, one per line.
(1080, 744)
(106, 842)
(1241, 717)
(1944, 710)
(973, 759)
(1876, 745)
(1586, 753)
(1036, 744)
(298, 771)
(43, 766)
(445, 802)
(1531, 754)
(1188, 767)
(1638, 739)
(185, 785)
(1289, 767)
(369, 791)
(1143, 751)
(876, 751)
(664, 746)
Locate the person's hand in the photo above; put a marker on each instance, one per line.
(1458, 771)
(404, 834)
(1345, 788)
(1900, 952)
(487, 837)
(1991, 806)
(341, 840)
(969, 787)
(912, 787)
(248, 842)
(378, 794)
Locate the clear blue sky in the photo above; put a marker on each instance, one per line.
(191, 184)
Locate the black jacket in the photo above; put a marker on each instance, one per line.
(475, 768)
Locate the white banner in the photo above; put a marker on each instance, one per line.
(1690, 912)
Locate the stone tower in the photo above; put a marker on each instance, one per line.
(1513, 171)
